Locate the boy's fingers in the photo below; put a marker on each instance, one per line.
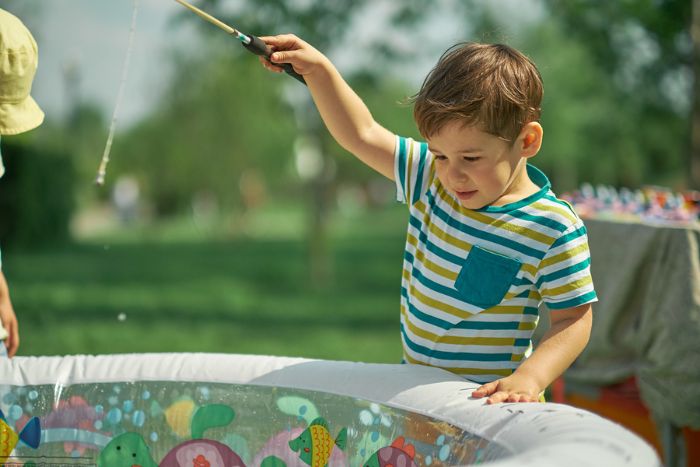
(520, 398)
(485, 390)
(295, 58)
(12, 347)
(517, 398)
(282, 41)
(287, 56)
(270, 66)
(497, 397)
(12, 339)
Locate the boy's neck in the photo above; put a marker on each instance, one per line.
(520, 188)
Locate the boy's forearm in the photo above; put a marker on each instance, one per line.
(344, 113)
(346, 116)
(559, 347)
(349, 120)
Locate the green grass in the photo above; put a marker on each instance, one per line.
(184, 287)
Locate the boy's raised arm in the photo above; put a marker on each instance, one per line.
(345, 115)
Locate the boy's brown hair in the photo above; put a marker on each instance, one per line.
(490, 85)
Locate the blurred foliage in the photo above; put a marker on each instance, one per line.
(615, 111)
(50, 175)
(322, 23)
(637, 95)
(211, 125)
(36, 195)
(593, 131)
(641, 44)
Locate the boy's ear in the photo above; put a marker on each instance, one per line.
(530, 139)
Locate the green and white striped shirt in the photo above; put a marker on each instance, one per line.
(473, 279)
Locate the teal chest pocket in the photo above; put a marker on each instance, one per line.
(486, 277)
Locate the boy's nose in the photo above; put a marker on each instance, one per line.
(457, 175)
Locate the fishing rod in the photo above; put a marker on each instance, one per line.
(253, 43)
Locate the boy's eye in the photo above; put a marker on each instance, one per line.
(439, 157)
(471, 158)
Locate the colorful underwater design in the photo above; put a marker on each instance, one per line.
(30, 435)
(126, 450)
(315, 444)
(129, 449)
(176, 424)
(398, 454)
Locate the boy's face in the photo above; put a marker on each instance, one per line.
(480, 169)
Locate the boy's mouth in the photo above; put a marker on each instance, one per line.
(465, 195)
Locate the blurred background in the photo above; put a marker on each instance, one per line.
(230, 221)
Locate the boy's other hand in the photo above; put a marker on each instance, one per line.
(513, 388)
(288, 48)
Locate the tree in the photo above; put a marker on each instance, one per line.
(645, 49)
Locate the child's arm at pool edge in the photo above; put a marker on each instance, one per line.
(347, 118)
(8, 318)
(566, 338)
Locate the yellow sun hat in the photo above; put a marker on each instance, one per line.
(19, 58)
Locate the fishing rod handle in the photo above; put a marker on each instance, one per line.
(259, 47)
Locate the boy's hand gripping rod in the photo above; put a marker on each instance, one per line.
(252, 43)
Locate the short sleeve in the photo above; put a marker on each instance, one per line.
(412, 169)
(564, 274)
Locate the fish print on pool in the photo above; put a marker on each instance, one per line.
(194, 424)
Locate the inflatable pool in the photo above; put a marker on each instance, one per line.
(216, 410)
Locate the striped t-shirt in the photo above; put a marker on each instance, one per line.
(473, 279)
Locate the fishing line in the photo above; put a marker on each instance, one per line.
(252, 43)
(120, 94)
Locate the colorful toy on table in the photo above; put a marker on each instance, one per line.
(648, 204)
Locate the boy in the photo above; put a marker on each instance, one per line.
(487, 239)
(18, 113)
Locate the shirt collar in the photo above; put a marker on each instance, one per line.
(538, 178)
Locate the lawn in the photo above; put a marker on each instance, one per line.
(185, 288)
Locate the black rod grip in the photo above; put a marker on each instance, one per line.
(259, 47)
